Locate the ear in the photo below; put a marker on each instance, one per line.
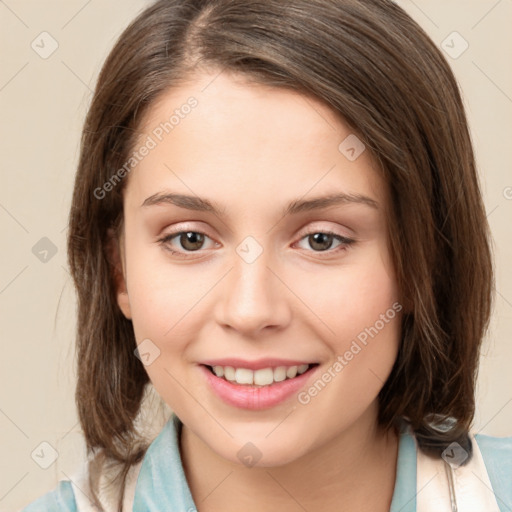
(116, 258)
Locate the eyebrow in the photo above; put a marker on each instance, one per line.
(297, 206)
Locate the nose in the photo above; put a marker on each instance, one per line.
(254, 297)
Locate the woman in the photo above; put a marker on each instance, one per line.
(320, 349)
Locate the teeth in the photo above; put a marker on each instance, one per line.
(279, 373)
(302, 368)
(244, 376)
(229, 373)
(291, 372)
(262, 377)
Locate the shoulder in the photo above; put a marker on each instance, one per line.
(62, 499)
(494, 444)
(497, 456)
(74, 495)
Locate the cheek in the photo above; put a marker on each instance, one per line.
(367, 322)
(360, 311)
(163, 305)
(168, 302)
(150, 288)
(351, 299)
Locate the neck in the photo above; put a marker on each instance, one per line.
(354, 471)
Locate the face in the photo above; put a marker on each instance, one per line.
(256, 271)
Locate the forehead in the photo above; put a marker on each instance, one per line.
(230, 106)
(220, 134)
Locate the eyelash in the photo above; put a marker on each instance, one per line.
(345, 242)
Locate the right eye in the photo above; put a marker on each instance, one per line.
(190, 241)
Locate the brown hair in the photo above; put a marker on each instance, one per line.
(372, 64)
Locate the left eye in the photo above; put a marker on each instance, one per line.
(322, 241)
(193, 241)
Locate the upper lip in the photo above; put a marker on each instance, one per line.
(257, 364)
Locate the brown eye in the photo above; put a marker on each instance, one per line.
(184, 241)
(191, 240)
(320, 241)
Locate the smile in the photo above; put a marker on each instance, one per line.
(258, 389)
(262, 377)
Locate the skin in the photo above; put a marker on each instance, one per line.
(251, 150)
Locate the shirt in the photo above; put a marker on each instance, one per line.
(161, 484)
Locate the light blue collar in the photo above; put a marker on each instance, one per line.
(404, 495)
(162, 485)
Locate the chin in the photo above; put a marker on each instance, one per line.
(261, 450)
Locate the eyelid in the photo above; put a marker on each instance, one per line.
(315, 227)
(167, 237)
(345, 243)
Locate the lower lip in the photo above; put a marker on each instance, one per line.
(252, 397)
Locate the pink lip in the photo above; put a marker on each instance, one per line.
(253, 397)
(258, 364)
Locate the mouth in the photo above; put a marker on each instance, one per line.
(261, 378)
(257, 384)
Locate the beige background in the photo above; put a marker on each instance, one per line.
(43, 103)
